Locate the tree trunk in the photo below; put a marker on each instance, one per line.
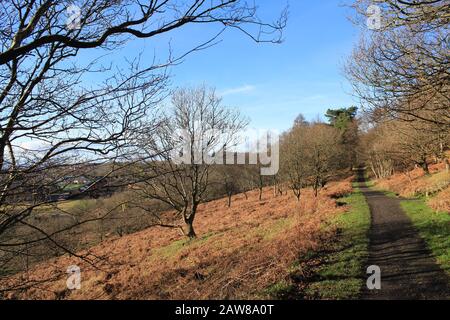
(425, 167)
(260, 194)
(189, 220)
(229, 200)
(297, 194)
(280, 190)
(190, 230)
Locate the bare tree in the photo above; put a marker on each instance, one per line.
(293, 161)
(231, 185)
(201, 129)
(400, 72)
(278, 184)
(30, 25)
(402, 13)
(260, 180)
(311, 155)
(401, 145)
(249, 179)
(417, 143)
(64, 112)
(401, 69)
(322, 154)
(378, 147)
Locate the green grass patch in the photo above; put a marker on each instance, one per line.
(280, 290)
(267, 232)
(340, 277)
(388, 193)
(369, 182)
(276, 228)
(175, 248)
(433, 226)
(73, 186)
(172, 249)
(75, 206)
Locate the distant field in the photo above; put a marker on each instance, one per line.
(73, 186)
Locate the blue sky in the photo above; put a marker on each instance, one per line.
(269, 83)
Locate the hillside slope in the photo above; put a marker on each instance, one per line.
(240, 252)
(435, 187)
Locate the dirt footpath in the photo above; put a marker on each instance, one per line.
(408, 270)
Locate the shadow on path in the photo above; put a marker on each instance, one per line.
(408, 269)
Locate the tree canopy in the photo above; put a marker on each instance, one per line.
(339, 118)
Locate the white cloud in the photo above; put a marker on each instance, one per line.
(33, 145)
(242, 89)
(317, 97)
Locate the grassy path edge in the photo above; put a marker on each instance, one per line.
(342, 277)
(336, 271)
(433, 226)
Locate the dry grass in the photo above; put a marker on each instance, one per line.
(441, 202)
(413, 182)
(240, 252)
(416, 183)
